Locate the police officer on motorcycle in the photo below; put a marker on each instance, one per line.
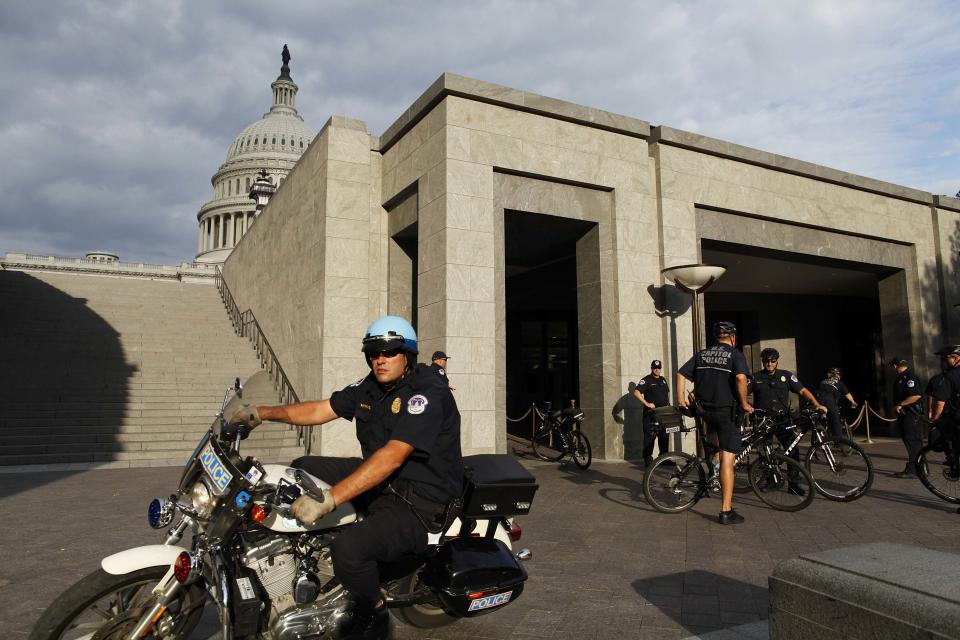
(408, 426)
(771, 393)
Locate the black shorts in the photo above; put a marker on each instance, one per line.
(720, 420)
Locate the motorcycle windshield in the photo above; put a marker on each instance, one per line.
(257, 390)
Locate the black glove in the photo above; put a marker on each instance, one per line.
(230, 431)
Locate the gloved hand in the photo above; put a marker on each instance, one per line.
(307, 510)
(231, 430)
(247, 414)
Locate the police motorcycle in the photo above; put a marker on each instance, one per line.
(269, 576)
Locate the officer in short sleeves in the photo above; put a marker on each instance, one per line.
(408, 427)
(909, 408)
(653, 391)
(829, 392)
(771, 388)
(719, 375)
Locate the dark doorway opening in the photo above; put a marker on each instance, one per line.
(817, 312)
(542, 360)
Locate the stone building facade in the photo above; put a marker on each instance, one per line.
(526, 237)
(273, 143)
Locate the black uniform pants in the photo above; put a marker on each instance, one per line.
(389, 531)
(835, 420)
(911, 431)
(649, 437)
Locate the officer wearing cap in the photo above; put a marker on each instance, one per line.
(438, 363)
(771, 393)
(906, 393)
(946, 407)
(653, 391)
(720, 375)
(408, 427)
(829, 392)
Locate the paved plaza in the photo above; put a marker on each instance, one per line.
(605, 564)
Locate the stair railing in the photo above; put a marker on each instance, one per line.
(246, 325)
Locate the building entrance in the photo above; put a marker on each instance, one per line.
(542, 346)
(816, 312)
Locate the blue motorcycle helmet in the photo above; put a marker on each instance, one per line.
(387, 333)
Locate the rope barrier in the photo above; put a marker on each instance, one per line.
(874, 412)
(521, 418)
(856, 423)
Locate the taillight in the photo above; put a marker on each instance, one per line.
(259, 513)
(515, 532)
(182, 567)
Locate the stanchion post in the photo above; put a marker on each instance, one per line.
(533, 420)
(866, 416)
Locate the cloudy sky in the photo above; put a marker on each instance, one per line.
(115, 115)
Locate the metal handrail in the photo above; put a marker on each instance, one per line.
(246, 325)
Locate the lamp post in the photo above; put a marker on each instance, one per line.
(694, 279)
(261, 191)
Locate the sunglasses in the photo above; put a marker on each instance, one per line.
(770, 360)
(389, 353)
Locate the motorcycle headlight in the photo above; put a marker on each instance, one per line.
(203, 500)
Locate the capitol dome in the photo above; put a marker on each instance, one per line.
(273, 143)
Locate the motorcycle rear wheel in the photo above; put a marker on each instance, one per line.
(426, 615)
(108, 607)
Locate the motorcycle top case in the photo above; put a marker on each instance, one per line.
(474, 576)
(497, 486)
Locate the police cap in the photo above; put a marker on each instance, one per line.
(439, 355)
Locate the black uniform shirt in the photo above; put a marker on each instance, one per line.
(439, 371)
(771, 391)
(830, 391)
(714, 374)
(949, 391)
(654, 390)
(933, 384)
(420, 411)
(907, 385)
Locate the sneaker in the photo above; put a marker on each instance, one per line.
(904, 474)
(730, 517)
(795, 490)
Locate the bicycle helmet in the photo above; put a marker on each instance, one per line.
(949, 350)
(769, 354)
(723, 328)
(390, 332)
(834, 371)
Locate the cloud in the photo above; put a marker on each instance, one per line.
(116, 114)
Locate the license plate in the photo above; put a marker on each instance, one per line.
(671, 429)
(217, 471)
(490, 601)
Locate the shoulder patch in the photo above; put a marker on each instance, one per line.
(794, 378)
(911, 383)
(441, 371)
(358, 382)
(417, 404)
(642, 382)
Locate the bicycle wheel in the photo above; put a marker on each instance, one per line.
(580, 450)
(940, 473)
(674, 482)
(781, 482)
(839, 477)
(548, 445)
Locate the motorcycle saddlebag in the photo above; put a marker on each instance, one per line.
(497, 486)
(474, 576)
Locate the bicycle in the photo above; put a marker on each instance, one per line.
(677, 480)
(938, 465)
(835, 478)
(559, 435)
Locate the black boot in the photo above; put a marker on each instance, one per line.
(370, 622)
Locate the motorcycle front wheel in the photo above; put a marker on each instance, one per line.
(580, 450)
(108, 607)
(425, 615)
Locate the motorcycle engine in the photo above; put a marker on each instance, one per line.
(297, 576)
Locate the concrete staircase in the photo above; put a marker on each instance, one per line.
(121, 371)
